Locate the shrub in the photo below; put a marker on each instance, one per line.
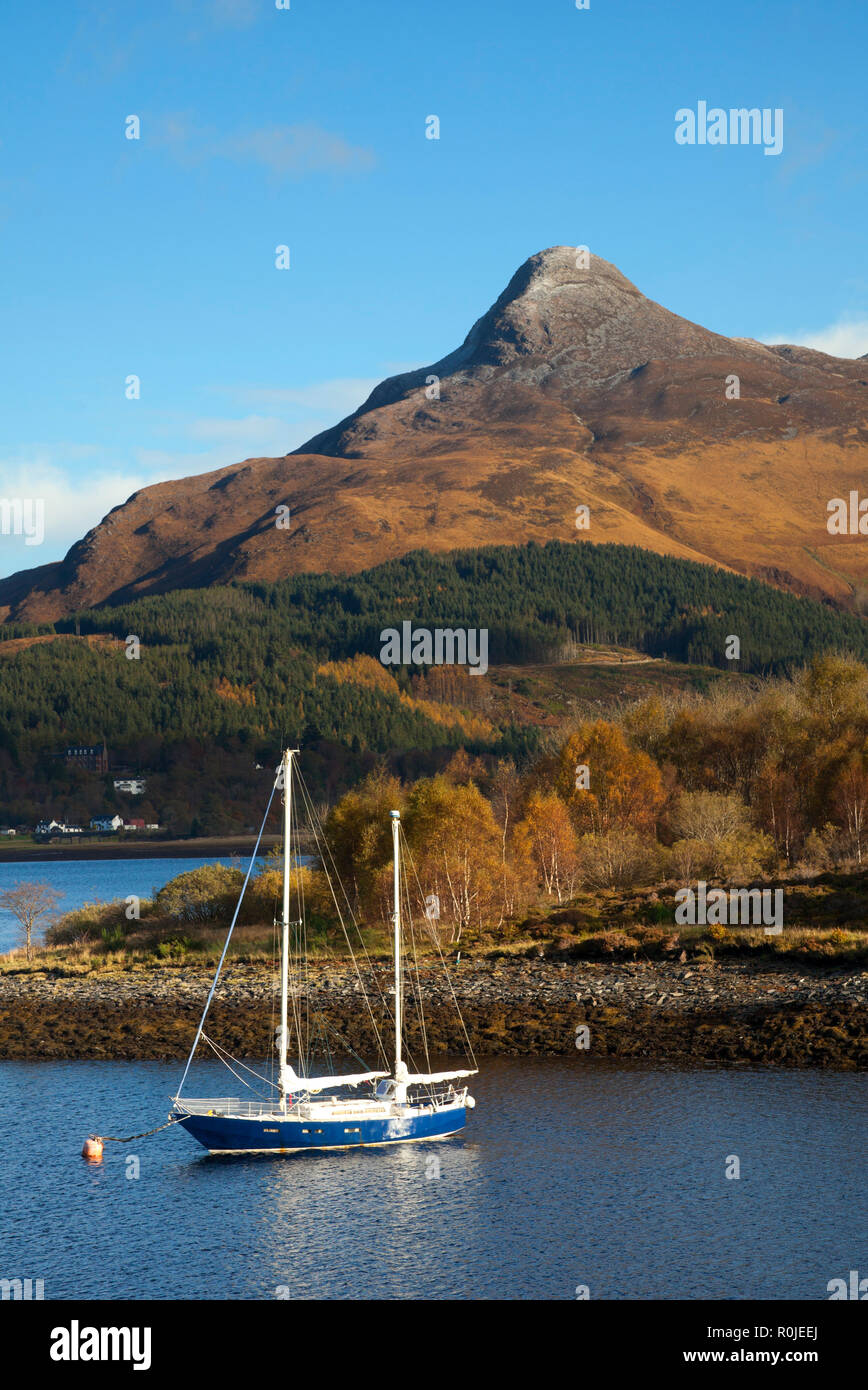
(618, 942)
(262, 901)
(175, 948)
(90, 922)
(737, 857)
(206, 894)
(620, 859)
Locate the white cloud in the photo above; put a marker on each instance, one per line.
(221, 14)
(846, 338)
(262, 434)
(235, 12)
(340, 395)
(76, 488)
(78, 484)
(290, 150)
(233, 443)
(399, 368)
(295, 149)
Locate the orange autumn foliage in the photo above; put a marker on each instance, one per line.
(625, 788)
(365, 670)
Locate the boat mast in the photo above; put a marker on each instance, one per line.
(396, 917)
(286, 766)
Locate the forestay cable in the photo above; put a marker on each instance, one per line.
(253, 859)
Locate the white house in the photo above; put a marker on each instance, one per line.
(106, 823)
(133, 786)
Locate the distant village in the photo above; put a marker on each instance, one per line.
(94, 758)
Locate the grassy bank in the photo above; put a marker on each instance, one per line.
(824, 925)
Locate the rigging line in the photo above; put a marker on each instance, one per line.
(406, 970)
(436, 940)
(206, 1039)
(272, 1060)
(406, 974)
(293, 969)
(320, 1035)
(304, 960)
(294, 943)
(222, 1053)
(322, 842)
(228, 939)
(292, 983)
(416, 982)
(305, 1025)
(316, 822)
(338, 1034)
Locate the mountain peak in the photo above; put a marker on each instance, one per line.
(556, 299)
(565, 267)
(567, 319)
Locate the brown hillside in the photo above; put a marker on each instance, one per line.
(572, 389)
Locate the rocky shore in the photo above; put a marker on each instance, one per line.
(733, 1012)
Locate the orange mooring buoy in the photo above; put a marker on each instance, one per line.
(92, 1147)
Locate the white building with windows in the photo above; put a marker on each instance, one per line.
(133, 786)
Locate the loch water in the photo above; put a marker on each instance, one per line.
(79, 881)
(569, 1174)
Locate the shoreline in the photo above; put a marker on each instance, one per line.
(726, 1013)
(207, 847)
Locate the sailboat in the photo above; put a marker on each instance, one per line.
(325, 1111)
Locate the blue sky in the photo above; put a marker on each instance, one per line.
(306, 127)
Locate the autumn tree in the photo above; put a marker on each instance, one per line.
(504, 793)
(31, 904)
(462, 768)
(850, 801)
(309, 892)
(708, 815)
(647, 722)
(620, 858)
(606, 784)
(545, 836)
(833, 689)
(779, 801)
(359, 837)
(717, 838)
(456, 848)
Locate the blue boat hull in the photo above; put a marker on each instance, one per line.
(224, 1134)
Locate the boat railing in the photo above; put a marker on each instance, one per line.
(449, 1095)
(246, 1109)
(254, 1109)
